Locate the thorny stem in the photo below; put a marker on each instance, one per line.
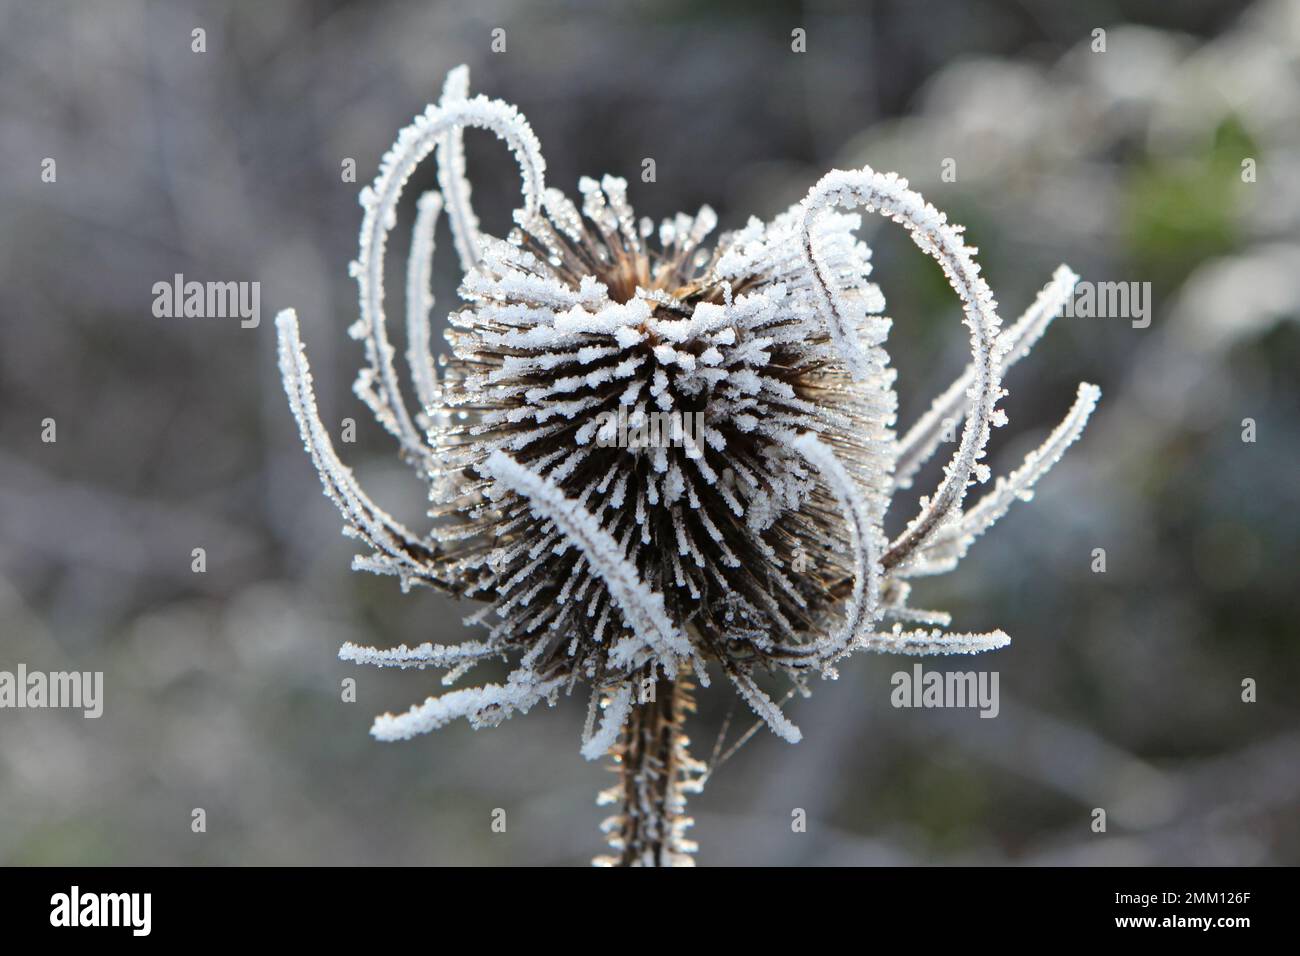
(655, 774)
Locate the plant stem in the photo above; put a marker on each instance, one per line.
(655, 774)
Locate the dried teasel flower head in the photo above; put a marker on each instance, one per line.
(651, 454)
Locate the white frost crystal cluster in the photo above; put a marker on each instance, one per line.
(752, 548)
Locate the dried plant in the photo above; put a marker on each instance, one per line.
(753, 548)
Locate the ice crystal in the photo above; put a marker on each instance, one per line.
(754, 547)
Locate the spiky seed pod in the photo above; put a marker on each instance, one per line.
(650, 455)
(660, 387)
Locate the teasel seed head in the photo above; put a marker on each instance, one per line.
(653, 455)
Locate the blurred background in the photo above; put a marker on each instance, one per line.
(1121, 690)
